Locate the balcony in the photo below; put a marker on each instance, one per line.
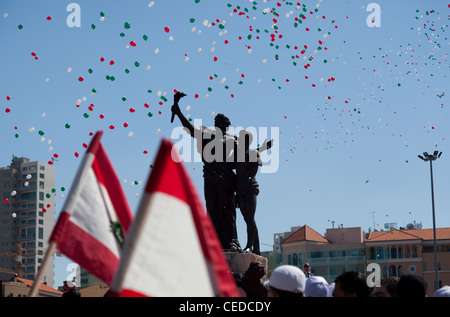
(25, 188)
(337, 260)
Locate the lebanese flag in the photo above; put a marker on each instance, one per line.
(172, 249)
(95, 217)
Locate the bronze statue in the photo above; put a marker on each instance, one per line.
(221, 153)
(215, 147)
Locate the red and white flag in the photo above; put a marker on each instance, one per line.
(172, 249)
(95, 217)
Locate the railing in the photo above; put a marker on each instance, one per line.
(336, 260)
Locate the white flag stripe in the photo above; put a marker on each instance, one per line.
(97, 222)
(78, 181)
(168, 259)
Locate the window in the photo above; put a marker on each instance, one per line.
(41, 196)
(380, 253)
(41, 185)
(428, 249)
(392, 271)
(393, 253)
(372, 253)
(41, 175)
(295, 259)
(42, 167)
(414, 252)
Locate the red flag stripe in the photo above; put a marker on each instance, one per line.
(94, 253)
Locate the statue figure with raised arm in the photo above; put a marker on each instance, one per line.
(216, 149)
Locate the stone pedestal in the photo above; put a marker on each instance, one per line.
(239, 262)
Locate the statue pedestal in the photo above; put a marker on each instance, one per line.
(239, 262)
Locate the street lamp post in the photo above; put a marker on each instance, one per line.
(431, 158)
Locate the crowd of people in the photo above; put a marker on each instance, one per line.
(291, 281)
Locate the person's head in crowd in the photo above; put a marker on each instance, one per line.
(444, 291)
(316, 286)
(351, 284)
(387, 288)
(411, 285)
(287, 281)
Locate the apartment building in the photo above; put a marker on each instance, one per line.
(27, 218)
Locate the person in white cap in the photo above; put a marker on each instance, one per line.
(287, 281)
(70, 289)
(444, 291)
(316, 286)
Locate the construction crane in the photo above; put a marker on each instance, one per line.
(17, 258)
(3, 270)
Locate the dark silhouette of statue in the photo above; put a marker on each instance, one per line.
(216, 149)
(247, 162)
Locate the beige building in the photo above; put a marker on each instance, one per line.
(398, 252)
(20, 287)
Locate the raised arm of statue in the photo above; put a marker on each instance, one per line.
(177, 111)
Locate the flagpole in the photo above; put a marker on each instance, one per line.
(48, 255)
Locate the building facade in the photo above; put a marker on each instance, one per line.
(27, 218)
(397, 252)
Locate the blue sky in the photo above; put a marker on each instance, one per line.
(353, 110)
